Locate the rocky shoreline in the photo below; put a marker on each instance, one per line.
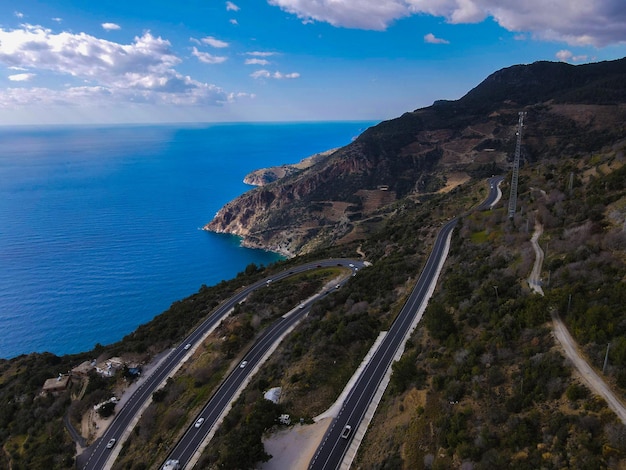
(265, 176)
(236, 219)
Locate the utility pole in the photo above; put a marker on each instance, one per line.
(514, 179)
(570, 185)
(606, 359)
(569, 303)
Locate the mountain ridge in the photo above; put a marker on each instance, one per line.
(413, 153)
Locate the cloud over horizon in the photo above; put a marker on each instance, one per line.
(599, 23)
(142, 71)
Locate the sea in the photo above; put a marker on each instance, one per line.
(100, 227)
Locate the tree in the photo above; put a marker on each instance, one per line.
(106, 410)
(404, 372)
(439, 322)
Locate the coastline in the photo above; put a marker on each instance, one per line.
(259, 178)
(136, 203)
(268, 175)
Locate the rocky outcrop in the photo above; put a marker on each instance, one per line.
(269, 175)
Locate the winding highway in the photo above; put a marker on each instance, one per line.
(189, 447)
(333, 448)
(336, 442)
(103, 452)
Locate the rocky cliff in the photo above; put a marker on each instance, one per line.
(265, 176)
(571, 110)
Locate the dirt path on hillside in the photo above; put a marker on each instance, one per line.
(569, 346)
(591, 378)
(534, 280)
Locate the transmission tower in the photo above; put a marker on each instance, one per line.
(513, 197)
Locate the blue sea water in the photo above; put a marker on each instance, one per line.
(99, 227)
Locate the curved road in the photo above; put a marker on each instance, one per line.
(98, 455)
(334, 446)
(569, 345)
(189, 447)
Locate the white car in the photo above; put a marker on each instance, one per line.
(243, 364)
(199, 422)
(110, 444)
(187, 346)
(346, 431)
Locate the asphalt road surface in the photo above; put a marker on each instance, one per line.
(98, 455)
(220, 402)
(335, 444)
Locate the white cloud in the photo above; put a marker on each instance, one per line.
(18, 14)
(577, 22)
(21, 77)
(233, 96)
(234, 22)
(89, 96)
(276, 75)
(142, 71)
(568, 56)
(111, 26)
(361, 14)
(84, 56)
(431, 39)
(208, 58)
(564, 55)
(261, 54)
(281, 76)
(57, 19)
(261, 74)
(230, 6)
(257, 62)
(213, 42)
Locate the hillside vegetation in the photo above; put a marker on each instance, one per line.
(482, 383)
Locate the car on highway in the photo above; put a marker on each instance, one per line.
(346, 431)
(187, 346)
(110, 444)
(171, 464)
(199, 422)
(243, 364)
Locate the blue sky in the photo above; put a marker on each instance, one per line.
(73, 61)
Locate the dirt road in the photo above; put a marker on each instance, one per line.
(593, 380)
(570, 347)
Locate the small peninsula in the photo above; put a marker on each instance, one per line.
(265, 176)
